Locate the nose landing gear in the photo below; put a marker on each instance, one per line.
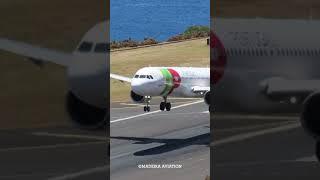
(147, 107)
(165, 105)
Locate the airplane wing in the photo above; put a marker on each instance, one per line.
(200, 89)
(283, 89)
(120, 78)
(35, 53)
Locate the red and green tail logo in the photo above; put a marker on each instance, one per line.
(218, 59)
(172, 81)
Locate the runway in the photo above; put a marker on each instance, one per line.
(244, 147)
(179, 137)
(262, 147)
(53, 153)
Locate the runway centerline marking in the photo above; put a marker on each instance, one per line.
(134, 106)
(186, 113)
(171, 113)
(48, 146)
(70, 136)
(153, 112)
(312, 158)
(245, 136)
(139, 105)
(81, 173)
(255, 117)
(276, 124)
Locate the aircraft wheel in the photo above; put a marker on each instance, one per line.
(148, 108)
(162, 106)
(318, 150)
(168, 106)
(145, 108)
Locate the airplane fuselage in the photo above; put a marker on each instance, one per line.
(170, 81)
(252, 51)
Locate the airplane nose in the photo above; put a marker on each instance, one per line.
(136, 86)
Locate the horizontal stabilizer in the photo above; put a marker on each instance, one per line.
(283, 88)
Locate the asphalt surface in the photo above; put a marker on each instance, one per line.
(52, 153)
(244, 147)
(180, 137)
(262, 147)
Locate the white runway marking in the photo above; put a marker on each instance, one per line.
(132, 105)
(307, 159)
(153, 112)
(70, 136)
(81, 173)
(257, 117)
(245, 136)
(253, 127)
(48, 146)
(184, 98)
(183, 113)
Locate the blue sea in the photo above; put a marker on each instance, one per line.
(159, 19)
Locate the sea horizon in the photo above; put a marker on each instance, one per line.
(157, 19)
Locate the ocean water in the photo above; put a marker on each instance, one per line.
(159, 19)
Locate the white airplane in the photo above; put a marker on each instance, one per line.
(87, 69)
(168, 81)
(267, 66)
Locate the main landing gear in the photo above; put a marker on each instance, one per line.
(165, 105)
(147, 107)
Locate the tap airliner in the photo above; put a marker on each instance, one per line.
(267, 66)
(166, 82)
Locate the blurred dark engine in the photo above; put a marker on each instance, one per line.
(85, 115)
(310, 117)
(207, 98)
(136, 97)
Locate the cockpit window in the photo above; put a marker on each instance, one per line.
(85, 47)
(102, 48)
(143, 76)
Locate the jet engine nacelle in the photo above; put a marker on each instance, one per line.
(83, 114)
(136, 97)
(310, 117)
(207, 98)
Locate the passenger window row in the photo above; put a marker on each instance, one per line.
(143, 76)
(272, 52)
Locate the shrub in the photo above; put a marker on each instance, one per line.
(189, 33)
(192, 32)
(131, 43)
(197, 31)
